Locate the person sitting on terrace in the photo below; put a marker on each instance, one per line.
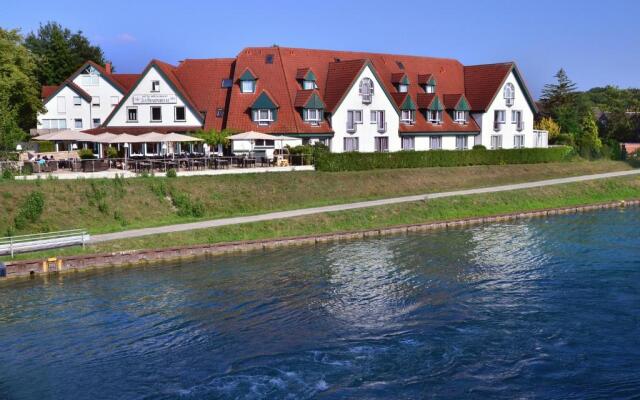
(41, 161)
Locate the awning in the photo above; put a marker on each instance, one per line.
(252, 135)
(67, 136)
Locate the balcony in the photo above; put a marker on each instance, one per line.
(540, 138)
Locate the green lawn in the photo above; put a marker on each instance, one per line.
(582, 193)
(113, 205)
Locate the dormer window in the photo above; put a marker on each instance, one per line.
(309, 85)
(248, 86)
(434, 116)
(247, 82)
(155, 86)
(509, 94)
(90, 77)
(430, 88)
(408, 117)
(366, 90)
(402, 88)
(460, 116)
(312, 115)
(263, 116)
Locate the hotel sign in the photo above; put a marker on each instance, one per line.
(154, 99)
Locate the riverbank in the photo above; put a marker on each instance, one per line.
(112, 205)
(401, 218)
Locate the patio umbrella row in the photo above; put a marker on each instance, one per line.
(112, 138)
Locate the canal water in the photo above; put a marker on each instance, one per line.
(545, 308)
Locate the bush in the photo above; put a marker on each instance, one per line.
(438, 158)
(30, 210)
(479, 147)
(86, 154)
(7, 174)
(171, 173)
(46, 147)
(112, 152)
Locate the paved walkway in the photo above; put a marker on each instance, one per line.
(129, 174)
(350, 206)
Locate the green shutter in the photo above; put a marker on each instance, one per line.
(310, 76)
(408, 104)
(436, 104)
(263, 102)
(314, 102)
(404, 80)
(463, 104)
(247, 76)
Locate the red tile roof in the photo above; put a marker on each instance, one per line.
(397, 77)
(423, 79)
(126, 80)
(482, 82)
(303, 96)
(450, 101)
(48, 91)
(423, 100)
(53, 90)
(399, 98)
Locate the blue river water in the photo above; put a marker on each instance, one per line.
(545, 308)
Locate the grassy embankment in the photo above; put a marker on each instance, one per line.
(113, 205)
(434, 210)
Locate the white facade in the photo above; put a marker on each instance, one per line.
(507, 131)
(69, 110)
(153, 91)
(365, 132)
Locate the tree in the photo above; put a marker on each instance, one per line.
(549, 125)
(215, 139)
(588, 142)
(19, 89)
(60, 52)
(559, 94)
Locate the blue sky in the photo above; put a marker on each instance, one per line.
(597, 42)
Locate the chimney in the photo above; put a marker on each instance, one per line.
(107, 67)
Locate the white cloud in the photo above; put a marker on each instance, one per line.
(125, 38)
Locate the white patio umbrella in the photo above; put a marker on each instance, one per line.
(253, 136)
(67, 136)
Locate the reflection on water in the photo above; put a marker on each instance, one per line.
(534, 309)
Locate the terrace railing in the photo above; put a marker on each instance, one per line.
(42, 241)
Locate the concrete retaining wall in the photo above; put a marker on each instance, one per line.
(15, 269)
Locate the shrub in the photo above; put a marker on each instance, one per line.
(27, 169)
(439, 158)
(171, 173)
(7, 174)
(86, 154)
(479, 147)
(46, 147)
(112, 152)
(30, 210)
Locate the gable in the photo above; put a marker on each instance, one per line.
(379, 87)
(264, 101)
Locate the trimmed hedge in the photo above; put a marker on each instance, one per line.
(439, 158)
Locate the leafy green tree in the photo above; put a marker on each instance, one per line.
(588, 142)
(19, 89)
(60, 52)
(549, 125)
(215, 139)
(559, 94)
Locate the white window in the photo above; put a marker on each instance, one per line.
(430, 88)
(77, 123)
(434, 116)
(460, 117)
(309, 85)
(461, 142)
(95, 101)
(435, 142)
(408, 143)
(263, 116)
(499, 117)
(132, 114)
(156, 114)
(54, 124)
(381, 144)
(380, 120)
(496, 142)
(114, 101)
(155, 86)
(312, 115)
(351, 144)
(366, 90)
(518, 141)
(90, 79)
(77, 101)
(62, 104)
(407, 116)
(402, 88)
(516, 118)
(354, 117)
(96, 123)
(509, 94)
(247, 86)
(179, 113)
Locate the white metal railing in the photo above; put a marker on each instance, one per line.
(42, 241)
(540, 138)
